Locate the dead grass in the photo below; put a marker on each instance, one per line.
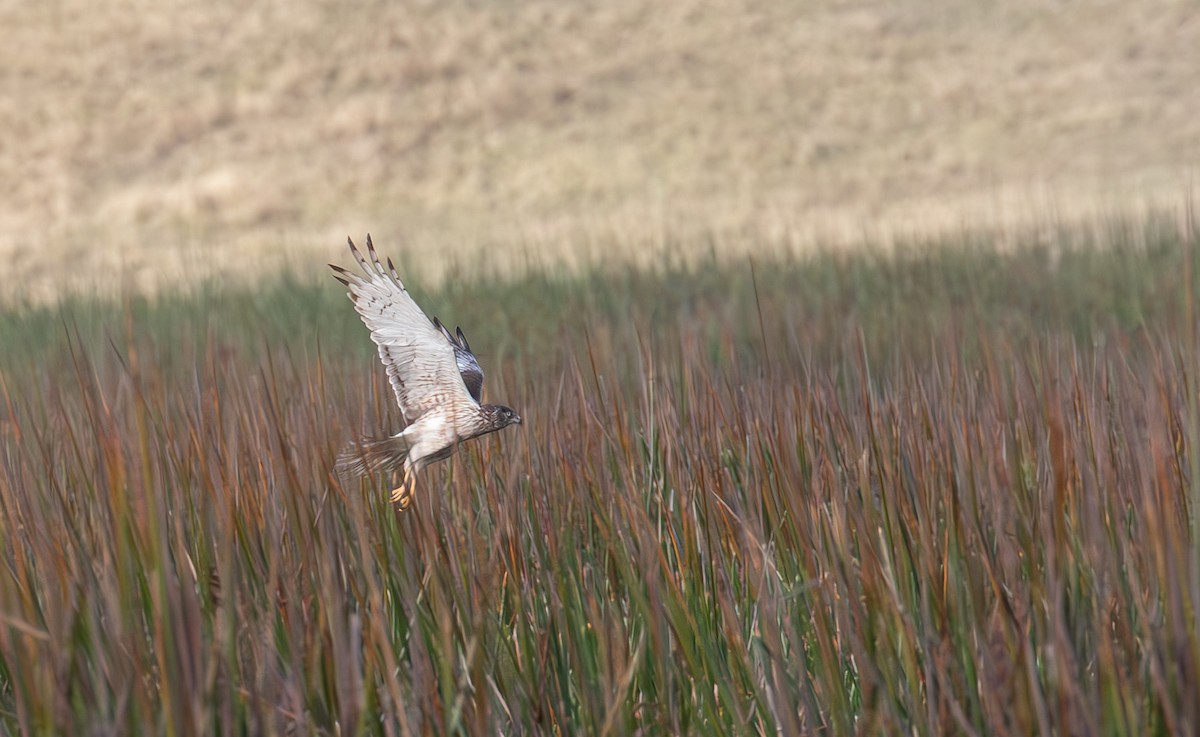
(151, 142)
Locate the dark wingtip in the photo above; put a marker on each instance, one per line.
(374, 255)
(354, 250)
(442, 328)
(341, 274)
(394, 273)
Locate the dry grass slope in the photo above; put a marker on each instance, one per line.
(153, 141)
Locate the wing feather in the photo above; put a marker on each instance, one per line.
(420, 361)
(468, 364)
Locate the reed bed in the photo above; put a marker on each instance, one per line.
(944, 491)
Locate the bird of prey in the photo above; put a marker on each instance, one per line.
(436, 378)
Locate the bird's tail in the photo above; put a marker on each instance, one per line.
(372, 455)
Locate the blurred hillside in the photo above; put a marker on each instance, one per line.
(146, 140)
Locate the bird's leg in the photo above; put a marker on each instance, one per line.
(403, 494)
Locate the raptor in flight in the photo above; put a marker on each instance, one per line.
(436, 378)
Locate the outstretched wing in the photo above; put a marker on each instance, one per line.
(419, 360)
(468, 365)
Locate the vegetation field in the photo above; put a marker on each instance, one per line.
(946, 490)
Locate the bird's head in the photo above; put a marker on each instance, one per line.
(507, 416)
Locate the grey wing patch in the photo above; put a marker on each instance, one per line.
(468, 365)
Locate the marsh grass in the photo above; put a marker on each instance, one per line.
(946, 491)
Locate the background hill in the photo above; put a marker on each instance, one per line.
(150, 140)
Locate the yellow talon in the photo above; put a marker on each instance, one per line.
(403, 494)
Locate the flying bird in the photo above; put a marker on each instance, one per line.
(437, 379)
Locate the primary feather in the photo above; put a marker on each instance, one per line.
(468, 364)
